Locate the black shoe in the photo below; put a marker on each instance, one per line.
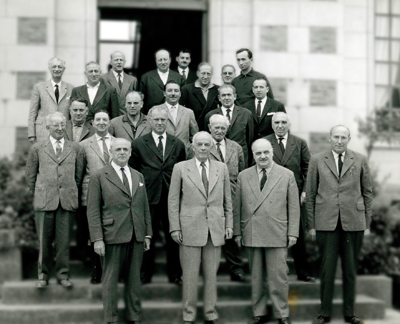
(65, 283)
(306, 278)
(41, 283)
(176, 281)
(259, 319)
(353, 320)
(210, 322)
(238, 277)
(321, 320)
(95, 280)
(283, 320)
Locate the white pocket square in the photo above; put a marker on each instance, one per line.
(140, 184)
(271, 113)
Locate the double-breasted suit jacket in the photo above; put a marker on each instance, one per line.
(87, 131)
(121, 127)
(43, 103)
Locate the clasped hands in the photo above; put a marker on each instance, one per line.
(291, 240)
(100, 247)
(177, 235)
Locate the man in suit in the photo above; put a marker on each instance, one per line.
(292, 153)
(47, 98)
(241, 129)
(339, 210)
(154, 155)
(263, 108)
(120, 227)
(99, 95)
(77, 128)
(123, 83)
(184, 59)
(134, 123)
(152, 83)
(201, 96)
(97, 156)
(181, 122)
(228, 73)
(200, 218)
(54, 171)
(244, 81)
(266, 222)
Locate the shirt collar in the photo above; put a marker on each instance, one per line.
(54, 84)
(207, 163)
(231, 108)
(263, 101)
(117, 168)
(116, 74)
(186, 70)
(155, 136)
(96, 86)
(99, 137)
(197, 85)
(170, 106)
(336, 155)
(163, 73)
(250, 73)
(53, 141)
(267, 169)
(285, 137)
(222, 142)
(127, 119)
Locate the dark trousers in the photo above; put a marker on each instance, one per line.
(232, 255)
(159, 219)
(53, 226)
(125, 259)
(347, 245)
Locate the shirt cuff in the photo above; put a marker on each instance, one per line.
(148, 236)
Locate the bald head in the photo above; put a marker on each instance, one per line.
(117, 61)
(280, 123)
(163, 60)
(120, 151)
(202, 142)
(339, 138)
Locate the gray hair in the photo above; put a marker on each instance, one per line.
(94, 63)
(202, 133)
(261, 140)
(56, 59)
(119, 139)
(280, 113)
(219, 118)
(135, 92)
(333, 128)
(205, 64)
(158, 108)
(115, 52)
(49, 118)
(228, 65)
(225, 86)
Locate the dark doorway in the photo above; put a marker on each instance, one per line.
(155, 29)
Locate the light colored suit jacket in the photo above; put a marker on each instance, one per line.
(54, 181)
(266, 218)
(43, 103)
(328, 196)
(185, 126)
(120, 127)
(129, 84)
(94, 159)
(193, 211)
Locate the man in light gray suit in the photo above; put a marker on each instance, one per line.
(200, 217)
(117, 78)
(266, 222)
(47, 98)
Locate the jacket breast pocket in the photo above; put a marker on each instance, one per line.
(360, 206)
(108, 221)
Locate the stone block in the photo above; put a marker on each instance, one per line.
(26, 81)
(234, 38)
(279, 86)
(355, 71)
(8, 31)
(355, 19)
(71, 9)
(323, 40)
(323, 93)
(74, 58)
(215, 38)
(28, 8)
(279, 65)
(16, 58)
(355, 45)
(276, 13)
(298, 40)
(320, 13)
(320, 66)
(32, 31)
(91, 33)
(273, 38)
(7, 145)
(7, 85)
(355, 96)
(17, 112)
(215, 13)
(71, 33)
(11, 264)
(297, 93)
(3, 8)
(237, 13)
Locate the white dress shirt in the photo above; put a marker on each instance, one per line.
(200, 168)
(222, 147)
(100, 142)
(173, 110)
(117, 169)
(180, 70)
(163, 140)
(263, 102)
(260, 173)
(336, 157)
(54, 143)
(163, 76)
(116, 75)
(284, 140)
(230, 113)
(54, 85)
(92, 91)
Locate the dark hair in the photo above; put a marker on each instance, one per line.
(249, 53)
(101, 111)
(184, 51)
(171, 82)
(79, 99)
(261, 79)
(162, 49)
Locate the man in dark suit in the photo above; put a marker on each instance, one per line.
(120, 227)
(339, 210)
(201, 96)
(123, 83)
(241, 129)
(184, 59)
(99, 95)
(54, 171)
(244, 81)
(154, 155)
(263, 108)
(152, 83)
(78, 128)
(292, 153)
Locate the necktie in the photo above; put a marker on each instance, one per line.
(228, 114)
(340, 164)
(119, 80)
(263, 179)
(57, 93)
(220, 152)
(184, 75)
(204, 176)
(281, 145)
(174, 112)
(125, 180)
(259, 109)
(160, 145)
(76, 132)
(106, 154)
(58, 149)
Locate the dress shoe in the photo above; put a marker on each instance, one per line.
(353, 320)
(306, 278)
(65, 283)
(41, 283)
(238, 277)
(259, 319)
(321, 320)
(284, 320)
(95, 280)
(210, 322)
(176, 281)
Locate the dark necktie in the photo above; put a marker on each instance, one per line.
(220, 152)
(228, 114)
(57, 93)
(119, 80)
(125, 180)
(106, 154)
(263, 179)
(58, 149)
(340, 164)
(204, 176)
(281, 145)
(184, 75)
(160, 145)
(259, 109)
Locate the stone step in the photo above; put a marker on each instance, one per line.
(170, 312)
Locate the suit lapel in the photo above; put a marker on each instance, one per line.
(330, 162)
(179, 114)
(254, 183)
(169, 147)
(152, 145)
(212, 94)
(228, 151)
(272, 180)
(68, 130)
(50, 150)
(113, 177)
(95, 147)
(290, 146)
(113, 81)
(125, 85)
(100, 93)
(49, 88)
(213, 176)
(135, 182)
(128, 129)
(277, 149)
(199, 95)
(267, 108)
(67, 149)
(235, 113)
(214, 153)
(85, 131)
(194, 175)
(158, 80)
(348, 162)
(63, 91)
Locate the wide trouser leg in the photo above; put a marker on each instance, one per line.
(45, 230)
(148, 263)
(232, 255)
(82, 234)
(299, 253)
(62, 234)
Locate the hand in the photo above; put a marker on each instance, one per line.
(177, 236)
(32, 140)
(367, 232)
(100, 248)
(228, 233)
(147, 242)
(312, 234)
(302, 198)
(291, 240)
(238, 240)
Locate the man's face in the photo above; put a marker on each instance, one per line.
(101, 122)
(120, 152)
(339, 139)
(260, 89)
(183, 60)
(56, 127)
(78, 112)
(202, 147)
(172, 93)
(56, 69)
(227, 97)
(133, 104)
(163, 61)
(118, 62)
(93, 73)
(228, 74)
(218, 130)
(262, 154)
(281, 125)
(243, 61)
(204, 75)
(158, 121)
